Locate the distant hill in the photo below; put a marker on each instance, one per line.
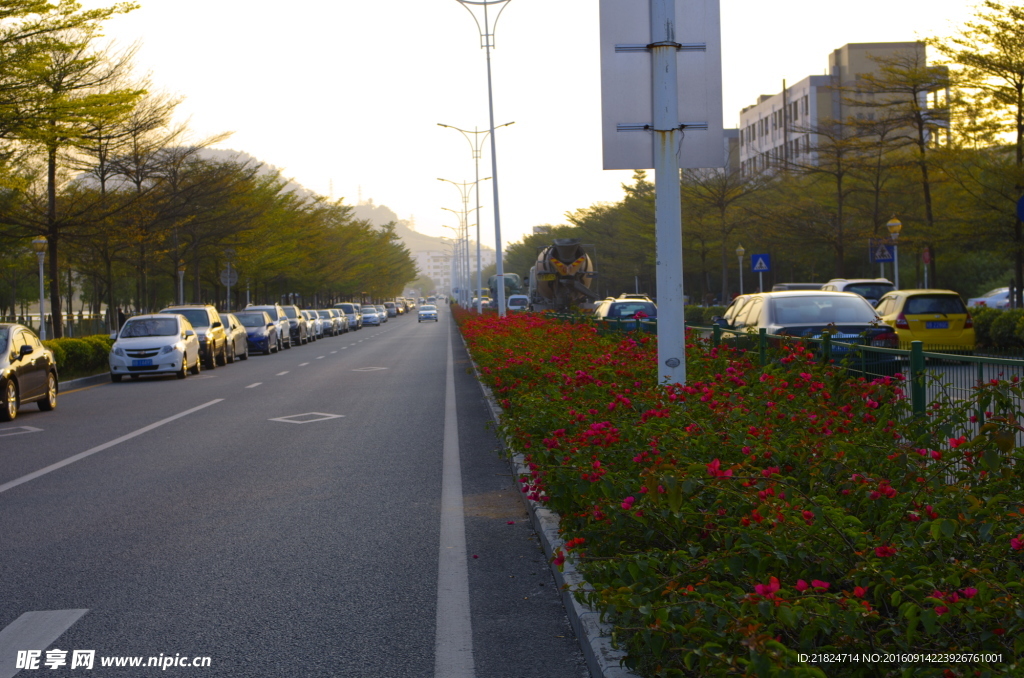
(378, 215)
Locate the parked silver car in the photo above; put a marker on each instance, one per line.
(238, 344)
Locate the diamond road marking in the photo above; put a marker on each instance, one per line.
(18, 430)
(368, 369)
(307, 418)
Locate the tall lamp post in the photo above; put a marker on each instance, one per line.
(739, 256)
(181, 282)
(462, 254)
(487, 42)
(895, 227)
(230, 252)
(476, 144)
(39, 245)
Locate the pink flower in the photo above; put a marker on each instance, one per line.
(1016, 543)
(969, 592)
(936, 455)
(818, 584)
(885, 551)
(941, 610)
(768, 590)
(714, 470)
(801, 585)
(627, 503)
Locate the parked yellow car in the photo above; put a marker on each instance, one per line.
(938, 318)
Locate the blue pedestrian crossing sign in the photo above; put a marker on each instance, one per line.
(760, 263)
(880, 251)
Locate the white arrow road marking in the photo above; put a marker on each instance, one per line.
(100, 448)
(33, 631)
(18, 430)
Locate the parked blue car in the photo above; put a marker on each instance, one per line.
(260, 331)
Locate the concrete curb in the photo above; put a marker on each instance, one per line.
(603, 660)
(83, 382)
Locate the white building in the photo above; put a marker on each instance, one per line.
(779, 128)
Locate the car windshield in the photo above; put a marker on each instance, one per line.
(5, 334)
(369, 309)
(150, 327)
(252, 319)
(427, 309)
(813, 310)
(631, 308)
(290, 312)
(934, 303)
(347, 308)
(517, 302)
(324, 314)
(869, 290)
(197, 316)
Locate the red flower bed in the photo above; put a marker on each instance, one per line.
(759, 518)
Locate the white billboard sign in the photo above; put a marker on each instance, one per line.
(626, 84)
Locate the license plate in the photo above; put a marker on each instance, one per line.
(148, 362)
(936, 325)
(546, 276)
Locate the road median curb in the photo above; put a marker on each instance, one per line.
(594, 635)
(83, 382)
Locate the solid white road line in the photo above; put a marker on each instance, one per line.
(33, 631)
(254, 385)
(453, 643)
(100, 448)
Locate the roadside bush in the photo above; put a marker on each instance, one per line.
(79, 356)
(730, 524)
(702, 315)
(1003, 330)
(983, 317)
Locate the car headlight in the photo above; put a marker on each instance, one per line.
(119, 351)
(168, 348)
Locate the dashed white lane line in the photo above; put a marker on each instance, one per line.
(303, 364)
(33, 631)
(99, 448)
(281, 374)
(320, 357)
(333, 352)
(254, 385)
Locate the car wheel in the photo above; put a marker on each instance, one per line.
(231, 352)
(183, 372)
(49, 403)
(116, 378)
(245, 355)
(211, 361)
(10, 404)
(198, 367)
(222, 357)
(288, 345)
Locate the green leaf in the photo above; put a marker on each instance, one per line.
(895, 598)
(787, 616)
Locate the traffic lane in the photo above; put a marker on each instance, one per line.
(520, 627)
(92, 416)
(280, 559)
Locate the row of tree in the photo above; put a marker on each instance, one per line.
(951, 168)
(131, 210)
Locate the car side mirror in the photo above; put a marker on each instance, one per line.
(113, 336)
(24, 350)
(189, 333)
(720, 321)
(217, 325)
(269, 325)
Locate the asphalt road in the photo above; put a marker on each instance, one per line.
(272, 547)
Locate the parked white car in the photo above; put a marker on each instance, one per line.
(997, 298)
(162, 343)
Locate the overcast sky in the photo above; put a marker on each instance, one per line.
(348, 93)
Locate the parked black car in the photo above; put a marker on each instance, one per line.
(28, 371)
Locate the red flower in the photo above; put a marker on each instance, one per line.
(818, 584)
(801, 585)
(1016, 543)
(768, 590)
(860, 591)
(885, 551)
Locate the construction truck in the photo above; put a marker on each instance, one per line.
(562, 276)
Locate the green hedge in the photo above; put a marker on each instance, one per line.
(80, 356)
(702, 315)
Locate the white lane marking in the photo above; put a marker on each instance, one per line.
(33, 631)
(333, 352)
(317, 416)
(453, 644)
(100, 448)
(344, 347)
(320, 357)
(303, 364)
(281, 374)
(254, 385)
(18, 430)
(368, 369)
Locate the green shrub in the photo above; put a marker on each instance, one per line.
(76, 356)
(1003, 331)
(983, 318)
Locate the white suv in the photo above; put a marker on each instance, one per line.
(871, 289)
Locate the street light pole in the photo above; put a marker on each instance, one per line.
(464, 193)
(39, 245)
(181, 282)
(739, 256)
(895, 227)
(476, 144)
(487, 40)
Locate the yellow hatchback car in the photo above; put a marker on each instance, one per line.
(938, 318)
